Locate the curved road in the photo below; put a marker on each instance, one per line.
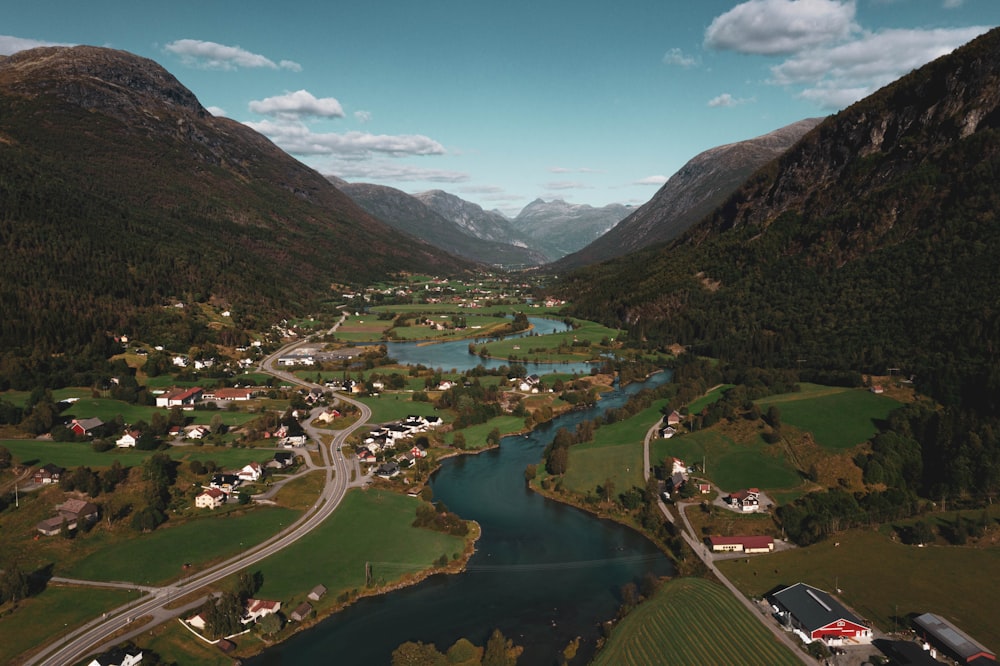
(86, 639)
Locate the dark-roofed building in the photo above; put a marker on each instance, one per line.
(49, 473)
(818, 615)
(952, 640)
(302, 611)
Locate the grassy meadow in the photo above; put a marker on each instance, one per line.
(838, 418)
(952, 581)
(692, 621)
(77, 454)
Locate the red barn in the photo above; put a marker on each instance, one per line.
(819, 616)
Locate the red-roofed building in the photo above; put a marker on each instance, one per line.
(179, 397)
(741, 544)
(258, 608)
(746, 500)
(212, 498)
(234, 393)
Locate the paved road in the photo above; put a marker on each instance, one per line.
(87, 639)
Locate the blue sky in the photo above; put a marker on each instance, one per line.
(502, 103)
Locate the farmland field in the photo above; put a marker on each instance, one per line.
(692, 621)
(898, 581)
(838, 418)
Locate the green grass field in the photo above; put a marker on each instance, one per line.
(709, 398)
(729, 464)
(77, 454)
(396, 406)
(370, 526)
(838, 418)
(38, 620)
(882, 579)
(615, 453)
(475, 436)
(157, 557)
(692, 621)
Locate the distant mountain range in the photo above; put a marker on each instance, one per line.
(871, 244)
(411, 215)
(558, 228)
(689, 195)
(120, 194)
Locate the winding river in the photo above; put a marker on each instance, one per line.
(543, 573)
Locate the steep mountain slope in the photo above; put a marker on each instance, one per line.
(558, 228)
(872, 244)
(689, 195)
(119, 193)
(411, 216)
(485, 224)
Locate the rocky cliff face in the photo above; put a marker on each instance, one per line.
(558, 228)
(690, 194)
(485, 224)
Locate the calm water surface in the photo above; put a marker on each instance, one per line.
(543, 573)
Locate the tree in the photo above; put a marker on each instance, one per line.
(5, 457)
(500, 651)
(458, 440)
(13, 584)
(270, 624)
(417, 654)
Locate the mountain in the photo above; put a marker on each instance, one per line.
(412, 216)
(689, 195)
(120, 194)
(871, 244)
(558, 228)
(488, 225)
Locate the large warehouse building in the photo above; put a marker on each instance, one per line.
(952, 640)
(819, 616)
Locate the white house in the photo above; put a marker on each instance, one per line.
(250, 473)
(258, 608)
(129, 439)
(118, 657)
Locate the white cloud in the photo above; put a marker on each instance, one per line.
(725, 99)
(9, 45)
(298, 104)
(217, 111)
(391, 172)
(772, 27)
(651, 180)
(837, 75)
(298, 139)
(210, 55)
(677, 57)
(482, 189)
(566, 185)
(363, 116)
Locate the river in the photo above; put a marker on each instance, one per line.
(543, 573)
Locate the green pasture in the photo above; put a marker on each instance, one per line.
(615, 453)
(396, 406)
(709, 398)
(20, 398)
(475, 435)
(70, 454)
(692, 621)
(40, 619)
(108, 410)
(444, 308)
(157, 557)
(729, 464)
(838, 418)
(370, 526)
(882, 579)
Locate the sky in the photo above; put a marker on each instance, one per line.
(502, 103)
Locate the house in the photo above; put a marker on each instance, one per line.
(129, 439)
(674, 418)
(225, 482)
(251, 472)
(197, 621)
(951, 640)
(258, 608)
(746, 501)
(211, 498)
(877, 389)
(180, 397)
(666, 432)
(302, 611)
(387, 470)
(49, 473)
(704, 488)
(118, 657)
(741, 544)
(818, 616)
(85, 427)
(365, 455)
(284, 458)
(198, 432)
(329, 415)
(317, 592)
(71, 513)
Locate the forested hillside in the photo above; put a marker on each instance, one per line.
(120, 195)
(870, 245)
